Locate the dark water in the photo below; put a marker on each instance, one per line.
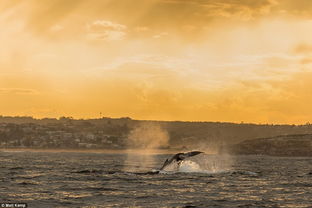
(104, 180)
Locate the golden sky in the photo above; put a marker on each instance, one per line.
(207, 60)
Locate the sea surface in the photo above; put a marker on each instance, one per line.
(75, 179)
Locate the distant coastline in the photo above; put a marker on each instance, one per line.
(114, 134)
(106, 151)
(299, 145)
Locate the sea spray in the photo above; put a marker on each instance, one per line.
(148, 136)
(189, 166)
(143, 141)
(205, 163)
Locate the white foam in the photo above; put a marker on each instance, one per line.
(189, 166)
(206, 164)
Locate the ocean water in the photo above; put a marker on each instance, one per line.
(73, 179)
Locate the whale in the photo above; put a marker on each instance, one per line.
(173, 164)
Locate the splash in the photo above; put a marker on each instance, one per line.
(173, 167)
(202, 164)
(189, 167)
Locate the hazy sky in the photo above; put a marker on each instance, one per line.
(212, 60)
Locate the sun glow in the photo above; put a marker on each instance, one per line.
(215, 60)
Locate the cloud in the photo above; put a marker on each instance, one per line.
(305, 52)
(160, 35)
(142, 29)
(40, 16)
(100, 25)
(106, 30)
(303, 49)
(18, 91)
(210, 46)
(56, 28)
(148, 17)
(243, 9)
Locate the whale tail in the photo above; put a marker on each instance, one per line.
(177, 158)
(193, 153)
(165, 164)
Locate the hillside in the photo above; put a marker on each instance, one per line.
(67, 132)
(286, 145)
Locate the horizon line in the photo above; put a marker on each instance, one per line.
(153, 120)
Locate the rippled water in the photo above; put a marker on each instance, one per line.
(120, 180)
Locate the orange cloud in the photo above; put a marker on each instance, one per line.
(18, 91)
(159, 59)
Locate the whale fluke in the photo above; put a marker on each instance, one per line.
(178, 158)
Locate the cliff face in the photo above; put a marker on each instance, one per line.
(286, 145)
